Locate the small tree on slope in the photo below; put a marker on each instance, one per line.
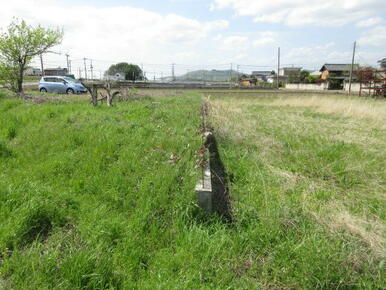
(18, 45)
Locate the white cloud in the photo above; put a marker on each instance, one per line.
(114, 33)
(376, 36)
(369, 22)
(304, 12)
(234, 42)
(241, 57)
(316, 55)
(265, 38)
(242, 43)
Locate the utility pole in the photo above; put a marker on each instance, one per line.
(278, 67)
(41, 64)
(173, 76)
(80, 73)
(68, 63)
(352, 66)
(230, 73)
(92, 70)
(85, 68)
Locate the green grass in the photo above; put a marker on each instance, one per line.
(103, 198)
(32, 78)
(91, 196)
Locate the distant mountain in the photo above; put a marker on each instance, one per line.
(209, 75)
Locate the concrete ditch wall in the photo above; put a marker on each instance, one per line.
(306, 87)
(355, 87)
(212, 189)
(204, 185)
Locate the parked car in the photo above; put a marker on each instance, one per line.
(61, 85)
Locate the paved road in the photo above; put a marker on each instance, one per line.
(27, 84)
(31, 84)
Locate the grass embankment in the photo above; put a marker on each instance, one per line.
(103, 197)
(308, 182)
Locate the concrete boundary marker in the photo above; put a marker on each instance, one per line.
(212, 188)
(204, 186)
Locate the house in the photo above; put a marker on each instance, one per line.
(337, 71)
(315, 73)
(336, 74)
(119, 76)
(245, 83)
(273, 78)
(289, 71)
(32, 71)
(382, 63)
(55, 71)
(262, 75)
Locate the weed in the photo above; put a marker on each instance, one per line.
(11, 134)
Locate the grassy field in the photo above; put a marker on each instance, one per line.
(103, 198)
(309, 186)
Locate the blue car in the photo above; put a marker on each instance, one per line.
(61, 85)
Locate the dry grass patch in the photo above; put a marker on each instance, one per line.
(322, 157)
(370, 230)
(349, 107)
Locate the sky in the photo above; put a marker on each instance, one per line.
(207, 34)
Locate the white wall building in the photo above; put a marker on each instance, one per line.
(116, 77)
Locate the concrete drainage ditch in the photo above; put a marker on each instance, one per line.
(212, 188)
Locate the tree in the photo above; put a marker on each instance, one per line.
(311, 79)
(18, 45)
(132, 71)
(295, 77)
(365, 73)
(304, 75)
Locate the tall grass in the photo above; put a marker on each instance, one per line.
(88, 196)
